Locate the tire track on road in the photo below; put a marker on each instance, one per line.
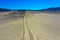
(27, 33)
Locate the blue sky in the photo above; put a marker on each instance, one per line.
(29, 4)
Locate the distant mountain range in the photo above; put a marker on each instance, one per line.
(52, 9)
(48, 9)
(4, 9)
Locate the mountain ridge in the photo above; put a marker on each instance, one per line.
(47, 9)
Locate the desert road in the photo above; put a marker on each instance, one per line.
(33, 26)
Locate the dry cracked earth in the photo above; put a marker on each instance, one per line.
(30, 25)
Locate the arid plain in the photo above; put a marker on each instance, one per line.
(32, 25)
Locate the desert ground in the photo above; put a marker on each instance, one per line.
(32, 26)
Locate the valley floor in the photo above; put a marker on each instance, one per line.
(36, 26)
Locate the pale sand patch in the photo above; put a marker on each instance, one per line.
(12, 30)
(44, 26)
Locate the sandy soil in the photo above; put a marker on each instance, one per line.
(34, 26)
(10, 28)
(44, 26)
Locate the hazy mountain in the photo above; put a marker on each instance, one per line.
(48, 9)
(52, 9)
(4, 9)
